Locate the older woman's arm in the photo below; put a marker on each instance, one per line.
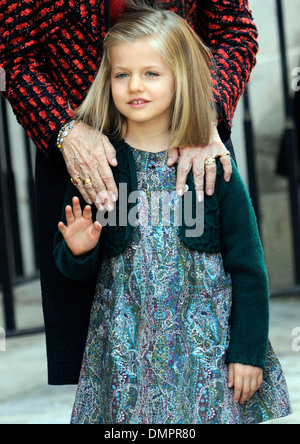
(228, 28)
(37, 101)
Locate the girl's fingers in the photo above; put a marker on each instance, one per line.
(62, 228)
(253, 389)
(256, 384)
(246, 390)
(87, 213)
(230, 376)
(76, 208)
(69, 215)
(250, 387)
(246, 381)
(96, 230)
(238, 388)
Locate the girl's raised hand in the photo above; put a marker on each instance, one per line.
(80, 234)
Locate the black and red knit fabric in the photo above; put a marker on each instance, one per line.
(50, 51)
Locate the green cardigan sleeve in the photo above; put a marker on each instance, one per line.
(83, 269)
(243, 258)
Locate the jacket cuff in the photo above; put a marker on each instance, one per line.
(248, 350)
(53, 152)
(256, 359)
(78, 269)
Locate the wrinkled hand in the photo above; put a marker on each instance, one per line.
(88, 155)
(80, 234)
(245, 379)
(195, 158)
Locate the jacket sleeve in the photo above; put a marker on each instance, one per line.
(227, 27)
(243, 258)
(37, 102)
(83, 269)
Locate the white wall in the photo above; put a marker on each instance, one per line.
(266, 82)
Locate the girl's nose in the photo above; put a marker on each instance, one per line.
(136, 84)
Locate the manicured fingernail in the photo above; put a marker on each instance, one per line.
(180, 192)
(114, 198)
(200, 196)
(114, 161)
(210, 191)
(109, 207)
(99, 205)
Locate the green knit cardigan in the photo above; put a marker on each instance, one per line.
(230, 227)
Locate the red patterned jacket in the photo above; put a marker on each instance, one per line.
(50, 51)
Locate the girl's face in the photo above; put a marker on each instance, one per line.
(142, 86)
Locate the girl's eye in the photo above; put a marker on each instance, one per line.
(152, 74)
(121, 76)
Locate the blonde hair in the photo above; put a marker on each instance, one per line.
(183, 53)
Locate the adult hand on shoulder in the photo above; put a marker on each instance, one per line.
(245, 379)
(195, 158)
(88, 155)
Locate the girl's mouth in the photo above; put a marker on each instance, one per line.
(138, 102)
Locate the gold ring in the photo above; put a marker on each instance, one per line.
(75, 181)
(210, 161)
(87, 181)
(226, 154)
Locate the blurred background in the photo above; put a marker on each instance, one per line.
(267, 146)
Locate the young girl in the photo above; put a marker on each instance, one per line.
(179, 325)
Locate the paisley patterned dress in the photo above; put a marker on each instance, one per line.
(159, 329)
